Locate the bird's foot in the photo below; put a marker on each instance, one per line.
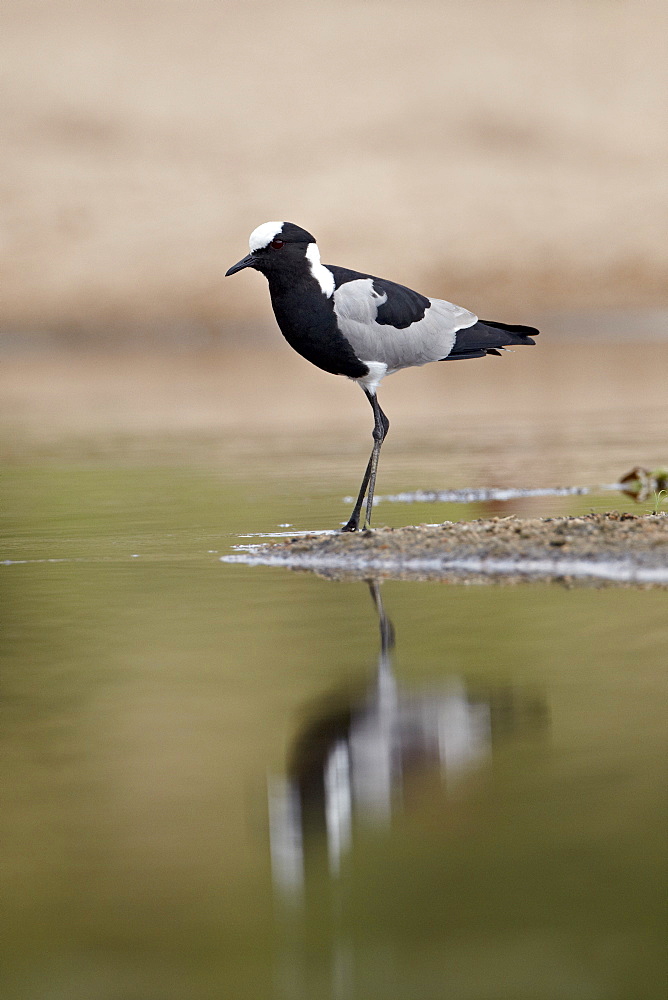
(354, 524)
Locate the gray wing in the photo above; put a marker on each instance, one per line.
(430, 337)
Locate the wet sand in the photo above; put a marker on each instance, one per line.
(613, 548)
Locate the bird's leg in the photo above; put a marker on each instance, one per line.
(381, 427)
(353, 523)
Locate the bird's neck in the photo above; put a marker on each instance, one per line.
(299, 301)
(287, 282)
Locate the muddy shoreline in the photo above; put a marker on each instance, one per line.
(603, 548)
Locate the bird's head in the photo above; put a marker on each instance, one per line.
(275, 246)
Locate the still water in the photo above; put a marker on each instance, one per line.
(223, 781)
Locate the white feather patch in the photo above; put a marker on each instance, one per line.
(377, 372)
(263, 235)
(322, 274)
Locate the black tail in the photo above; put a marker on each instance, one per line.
(487, 337)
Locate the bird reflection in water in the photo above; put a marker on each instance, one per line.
(351, 762)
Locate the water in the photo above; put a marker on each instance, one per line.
(232, 781)
(224, 781)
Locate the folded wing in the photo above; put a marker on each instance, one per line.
(389, 323)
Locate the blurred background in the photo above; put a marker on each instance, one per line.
(512, 155)
(165, 716)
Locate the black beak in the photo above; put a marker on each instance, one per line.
(248, 261)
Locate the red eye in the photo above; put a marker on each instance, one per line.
(277, 244)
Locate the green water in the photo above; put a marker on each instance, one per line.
(160, 706)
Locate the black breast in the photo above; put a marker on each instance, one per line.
(307, 321)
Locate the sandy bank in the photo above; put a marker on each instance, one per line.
(614, 548)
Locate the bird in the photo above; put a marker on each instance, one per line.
(362, 327)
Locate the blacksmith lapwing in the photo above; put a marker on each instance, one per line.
(363, 327)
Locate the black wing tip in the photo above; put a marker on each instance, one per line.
(489, 337)
(517, 328)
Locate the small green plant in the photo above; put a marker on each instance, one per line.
(660, 499)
